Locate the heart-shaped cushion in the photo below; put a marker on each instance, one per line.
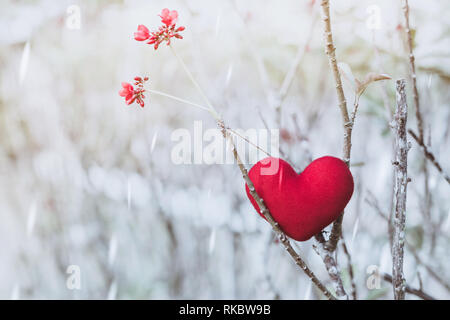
(302, 204)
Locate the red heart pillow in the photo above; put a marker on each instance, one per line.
(303, 204)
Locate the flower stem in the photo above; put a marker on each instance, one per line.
(178, 99)
(191, 77)
(207, 109)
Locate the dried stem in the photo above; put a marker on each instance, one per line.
(429, 155)
(430, 270)
(373, 202)
(331, 266)
(177, 99)
(417, 292)
(412, 67)
(401, 182)
(350, 270)
(331, 53)
(420, 123)
(336, 230)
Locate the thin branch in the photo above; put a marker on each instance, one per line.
(206, 109)
(199, 88)
(331, 266)
(412, 67)
(432, 273)
(373, 202)
(350, 270)
(401, 182)
(420, 123)
(417, 292)
(330, 51)
(248, 141)
(177, 99)
(429, 155)
(336, 230)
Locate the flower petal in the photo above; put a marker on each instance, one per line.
(127, 86)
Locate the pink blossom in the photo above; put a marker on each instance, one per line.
(168, 17)
(164, 33)
(127, 91)
(134, 95)
(142, 33)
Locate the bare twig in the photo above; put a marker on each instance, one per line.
(401, 182)
(389, 118)
(412, 67)
(350, 270)
(331, 266)
(420, 123)
(265, 211)
(430, 270)
(373, 202)
(417, 292)
(330, 51)
(429, 155)
(336, 230)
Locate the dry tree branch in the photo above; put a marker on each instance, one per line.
(413, 70)
(420, 122)
(389, 118)
(417, 292)
(336, 230)
(401, 182)
(331, 265)
(430, 270)
(328, 247)
(373, 202)
(429, 155)
(330, 51)
(350, 270)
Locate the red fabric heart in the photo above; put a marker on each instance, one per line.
(303, 204)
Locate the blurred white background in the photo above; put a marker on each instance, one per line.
(88, 181)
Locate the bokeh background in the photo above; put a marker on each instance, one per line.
(87, 181)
